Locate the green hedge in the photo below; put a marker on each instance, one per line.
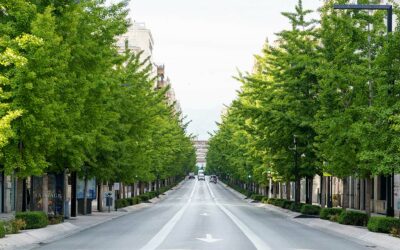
(264, 200)
(353, 218)
(383, 224)
(296, 207)
(310, 209)
(326, 213)
(33, 219)
(287, 204)
(2, 230)
(257, 197)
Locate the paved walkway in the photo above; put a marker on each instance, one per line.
(376, 240)
(28, 239)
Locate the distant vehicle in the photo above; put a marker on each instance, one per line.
(201, 176)
(191, 175)
(214, 179)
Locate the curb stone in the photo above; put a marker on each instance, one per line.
(29, 239)
(374, 240)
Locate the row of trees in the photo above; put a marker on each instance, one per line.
(323, 98)
(69, 101)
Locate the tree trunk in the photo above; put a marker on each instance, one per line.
(85, 187)
(368, 196)
(73, 194)
(100, 197)
(288, 190)
(310, 189)
(45, 194)
(297, 191)
(345, 203)
(274, 190)
(323, 191)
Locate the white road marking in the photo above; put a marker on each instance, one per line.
(209, 239)
(257, 242)
(204, 214)
(158, 239)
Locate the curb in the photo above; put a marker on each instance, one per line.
(30, 239)
(238, 194)
(378, 240)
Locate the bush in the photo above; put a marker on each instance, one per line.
(287, 204)
(271, 201)
(326, 213)
(296, 207)
(334, 217)
(279, 202)
(264, 200)
(383, 224)
(121, 203)
(353, 218)
(14, 226)
(55, 219)
(2, 230)
(310, 209)
(144, 197)
(33, 219)
(257, 197)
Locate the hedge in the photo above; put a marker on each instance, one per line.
(310, 209)
(264, 200)
(257, 197)
(2, 230)
(287, 204)
(33, 219)
(383, 224)
(353, 218)
(326, 213)
(296, 207)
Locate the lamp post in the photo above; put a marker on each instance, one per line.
(389, 10)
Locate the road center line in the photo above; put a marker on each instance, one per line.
(257, 242)
(158, 239)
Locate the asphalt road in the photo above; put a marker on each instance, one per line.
(203, 215)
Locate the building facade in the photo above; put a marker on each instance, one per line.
(201, 153)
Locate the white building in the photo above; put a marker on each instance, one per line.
(137, 39)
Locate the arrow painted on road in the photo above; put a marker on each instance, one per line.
(209, 239)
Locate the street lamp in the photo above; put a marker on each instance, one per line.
(389, 10)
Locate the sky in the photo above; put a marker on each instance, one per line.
(205, 43)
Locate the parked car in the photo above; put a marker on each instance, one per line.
(214, 179)
(191, 175)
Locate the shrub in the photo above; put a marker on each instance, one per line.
(264, 200)
(144, 197)
(2, 230)
(353, 218)
(287, 204)
(121, 203)
(383, 224)
(296, 207)
(271, 201)
(257, 197)
(310, 209)
(14, 226)
(334, 217)
(279, 202)
(55, 219)
(33, 219)
(326, 213)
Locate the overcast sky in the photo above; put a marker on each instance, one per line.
(203, 44)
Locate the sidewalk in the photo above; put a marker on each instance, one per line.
(375, 240)
(28, 239)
